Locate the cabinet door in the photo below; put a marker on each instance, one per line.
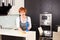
(12, 38)
(0, 37)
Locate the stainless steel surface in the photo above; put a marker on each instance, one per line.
(47, 33)
(45, 19)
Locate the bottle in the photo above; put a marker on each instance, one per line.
(27, 25)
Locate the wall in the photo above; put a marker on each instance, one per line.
(14, 9)
(36, 7)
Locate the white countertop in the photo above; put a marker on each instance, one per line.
(15, 33)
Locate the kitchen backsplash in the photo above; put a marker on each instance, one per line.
(8, 21)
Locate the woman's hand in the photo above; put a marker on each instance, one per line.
(20, 29)
(24, 32)
(29, 28)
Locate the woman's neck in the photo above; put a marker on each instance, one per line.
(23, 16)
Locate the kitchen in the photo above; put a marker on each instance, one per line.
(39, 7)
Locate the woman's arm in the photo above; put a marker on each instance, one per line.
(18, 24)
(20, 29)
(30, 25)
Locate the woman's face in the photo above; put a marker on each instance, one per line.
(22, 13)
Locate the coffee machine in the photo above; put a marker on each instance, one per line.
(46, 23)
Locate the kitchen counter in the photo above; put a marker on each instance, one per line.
(56, 35)
(30, 35)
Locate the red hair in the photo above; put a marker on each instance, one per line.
(22, 9)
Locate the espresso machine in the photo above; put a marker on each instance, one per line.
(46, 23)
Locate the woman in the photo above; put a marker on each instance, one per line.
(23, 22)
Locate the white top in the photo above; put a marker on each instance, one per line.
(18, 21)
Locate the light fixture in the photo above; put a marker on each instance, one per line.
(6, 2)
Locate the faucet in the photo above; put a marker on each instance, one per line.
(0, 26)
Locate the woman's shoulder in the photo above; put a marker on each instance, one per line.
(28, 17)
(17, 18)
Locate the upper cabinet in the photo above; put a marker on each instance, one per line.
(10, 7)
